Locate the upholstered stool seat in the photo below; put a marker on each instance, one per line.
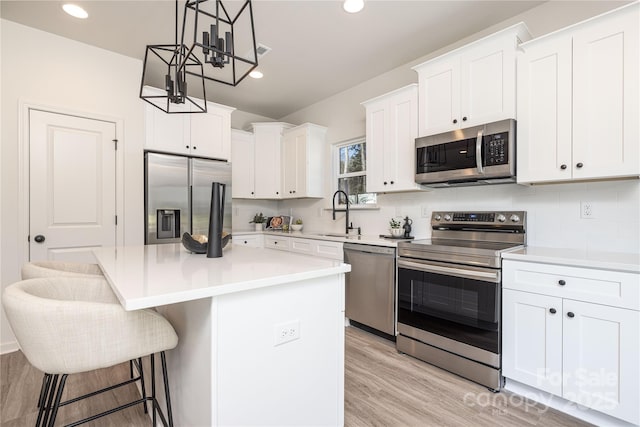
(37, 269)
(67, 325)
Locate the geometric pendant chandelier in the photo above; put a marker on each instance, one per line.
(223, 39)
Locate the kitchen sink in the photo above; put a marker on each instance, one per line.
(334, 235)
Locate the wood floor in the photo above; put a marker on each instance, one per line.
(382, 388)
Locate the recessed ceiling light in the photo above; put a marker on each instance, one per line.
(353, 6)
(256, 74)
(75, 11)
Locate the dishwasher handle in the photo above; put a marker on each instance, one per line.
(370, 249)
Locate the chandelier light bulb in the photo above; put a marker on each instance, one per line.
(353, 6)
(75, 11)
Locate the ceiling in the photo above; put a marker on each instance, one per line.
(318, 50)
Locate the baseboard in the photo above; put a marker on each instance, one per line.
(563, 405)
(9, 347)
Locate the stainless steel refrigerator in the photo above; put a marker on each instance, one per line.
(177, 196)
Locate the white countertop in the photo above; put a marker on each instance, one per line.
(365, 239)
(617, 261)
(153, 275)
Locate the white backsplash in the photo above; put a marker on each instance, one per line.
(553, 212)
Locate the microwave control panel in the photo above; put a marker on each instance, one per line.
(496, 151)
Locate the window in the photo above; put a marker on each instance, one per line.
(352, 173)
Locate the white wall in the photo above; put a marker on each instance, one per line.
(553, 210)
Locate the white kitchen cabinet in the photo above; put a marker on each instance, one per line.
(199, 134)
(303, 154)
(251, 240)
(392, 126)
(573, 332)
(578, 101)
(268, 161)
(282, 243)
(321, 248)
(472, 85)
(243, 164)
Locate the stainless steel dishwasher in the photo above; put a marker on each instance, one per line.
(371, 286)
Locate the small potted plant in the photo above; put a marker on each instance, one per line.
(394, 227)
(258, 220)
(297, 225)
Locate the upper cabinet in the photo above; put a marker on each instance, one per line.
(303, 154)
(392, 126)
(268, 162)
(578, 101)
(243, 165)
(472, 85)
(199, 134)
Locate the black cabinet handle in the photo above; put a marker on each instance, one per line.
(385, 183)
(195, 148)
(561, 282)
(391, 182)
(563, 167)
(275, 243)
(455, 121)
(552, 310)
(186, 146)
(245, 242)
(570, 314)
(252, 192)
(277, 192)
(39, 238)
(579, 165)
(464, 119)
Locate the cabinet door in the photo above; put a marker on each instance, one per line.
(169, 133)
(243, 164)
(544, 111)
(251, 240)
(294, 153)
(399, 153)
(211, 133)
(377, 130)
(488, 82)
(601, 358)
(532, 339)
(605, 98)
(439, 84)
(267, 162)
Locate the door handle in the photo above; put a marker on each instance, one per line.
(39, 238)
(479, 151)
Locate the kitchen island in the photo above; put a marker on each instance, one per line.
(261, 332)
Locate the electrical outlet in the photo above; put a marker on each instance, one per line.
(587, 210)
(425, 212)
(285, 332)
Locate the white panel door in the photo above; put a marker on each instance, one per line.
(210, 133)
(72, 186)
(605, 98)
(532, 340)
(377, 131)
(439, 87)
(601, 358)
(243, 164)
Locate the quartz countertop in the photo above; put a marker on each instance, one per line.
(618, 261)
(365, 239)
(152, 275)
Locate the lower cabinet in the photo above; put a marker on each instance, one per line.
(574, 347)
(313, 247)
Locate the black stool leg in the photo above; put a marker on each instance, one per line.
(56, 404)
(45, 410)
(144, 392)
(166, 388)
(153, 387)
(46, 380)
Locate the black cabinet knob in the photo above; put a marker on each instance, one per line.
(294, 191)
(277, 192)
(464, 119)
(570, 314)
(552, 310)
(561, 282)
(563, 167)
(195, 148)
(275, 243)
(391, 182)
(39, 238)
(186, 146)
(385, 183)
(252, 192)
(245, 242)
(579, 165)
(455, 121)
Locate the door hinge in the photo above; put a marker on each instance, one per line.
(116, 219)
(115, 144)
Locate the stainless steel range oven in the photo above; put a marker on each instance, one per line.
(449, 292)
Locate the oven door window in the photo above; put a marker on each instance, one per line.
(459, 308)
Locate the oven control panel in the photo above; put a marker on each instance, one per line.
(440, 219)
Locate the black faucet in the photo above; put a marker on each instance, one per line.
(346, 209)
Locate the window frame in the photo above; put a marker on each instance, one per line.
(337, 175)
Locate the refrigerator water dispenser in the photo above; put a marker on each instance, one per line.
(168, 221)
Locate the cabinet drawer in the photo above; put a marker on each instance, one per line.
(276, 242)
(325, 249)
(614, 288)
(252, 240)
(331, 250)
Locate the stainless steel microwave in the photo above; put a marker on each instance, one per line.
(483, 154)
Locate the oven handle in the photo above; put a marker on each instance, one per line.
(493, 277)
(479, 151)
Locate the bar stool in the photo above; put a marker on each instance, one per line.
(37, 269)
(68, 325)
